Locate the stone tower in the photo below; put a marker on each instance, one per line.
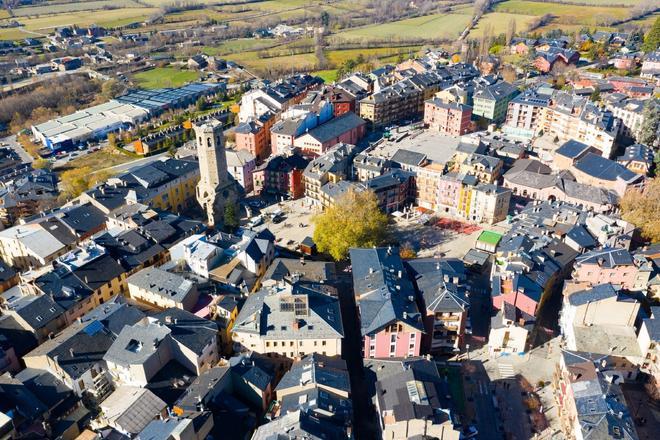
(215, 188)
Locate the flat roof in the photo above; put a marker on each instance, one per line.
(437, 148)
(490, 237)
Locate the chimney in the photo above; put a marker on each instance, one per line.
(296, 324)
(71, 352)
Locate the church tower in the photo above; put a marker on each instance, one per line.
(215, 189)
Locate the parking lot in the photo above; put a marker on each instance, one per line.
(293, 225)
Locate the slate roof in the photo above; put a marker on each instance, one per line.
(384, 292)
(653, 328)
(637, 152)
(210, 382)
(496, 91)
(313, 271)
(390, 179)
(162, 283)
(37, 311)
(440, 282)
(411, 389)
(592, 294)
(131, 408)
(114, 314)
(582, 237)
(608, 258)
(84, 219)
(314, 368)
(252, 369)
(135, 344)
(187, 329)
(264, 314)
(407, 157)
(602, 168)
(49, 389)
(572, 149)
(78, 348)
(299, 425)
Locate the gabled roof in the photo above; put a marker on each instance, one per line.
(385, 293)
(607, 258)
(593, 294)
(440, 282)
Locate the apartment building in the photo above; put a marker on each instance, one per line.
(292, 320)
(334, 166)
(461, 195)
(253, 136)
(441, 284)
(381, 283)
(447, 118)
(162, 290)
(491, 101)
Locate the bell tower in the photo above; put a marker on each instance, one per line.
(215, 189)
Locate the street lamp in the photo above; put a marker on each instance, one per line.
(467, 351)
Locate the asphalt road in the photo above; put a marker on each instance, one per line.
(13, 144)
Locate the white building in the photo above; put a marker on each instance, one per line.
(241, 165)
(162, 289)
(202, 256)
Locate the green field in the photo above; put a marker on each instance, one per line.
(565, 14)
(110, 18)
(73, 7)
(438, 26)
(600, 2)
(164, 77)
(239, 45)
(329, 76)
(499, 22)
(338, 57)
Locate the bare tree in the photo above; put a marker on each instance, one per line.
(510, 31)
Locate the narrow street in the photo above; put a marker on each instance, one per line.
(364, 418)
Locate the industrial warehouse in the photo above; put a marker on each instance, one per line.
(96, 122)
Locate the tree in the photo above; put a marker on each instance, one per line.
(202, 104)
(355, 220)
(511, 31)
(42, 164)
(649, 131)
(595, 95)
(407, 251)
(75, 181)
(230, 219)
(641, 207)
(652, 37)
(111, 89)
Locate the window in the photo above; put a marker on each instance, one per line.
(323, 343)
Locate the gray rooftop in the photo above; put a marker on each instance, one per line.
(162, 283)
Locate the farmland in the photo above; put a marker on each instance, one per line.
(565, 14)
(500, 21)
(60, 8)
(164, 77)
(109, 18)
(436, 26)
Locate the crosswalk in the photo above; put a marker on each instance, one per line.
(506, 371)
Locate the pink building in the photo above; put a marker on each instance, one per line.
(615, 266)
(447, 118)
(518, 291)
(348, 128)
(390, 322)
